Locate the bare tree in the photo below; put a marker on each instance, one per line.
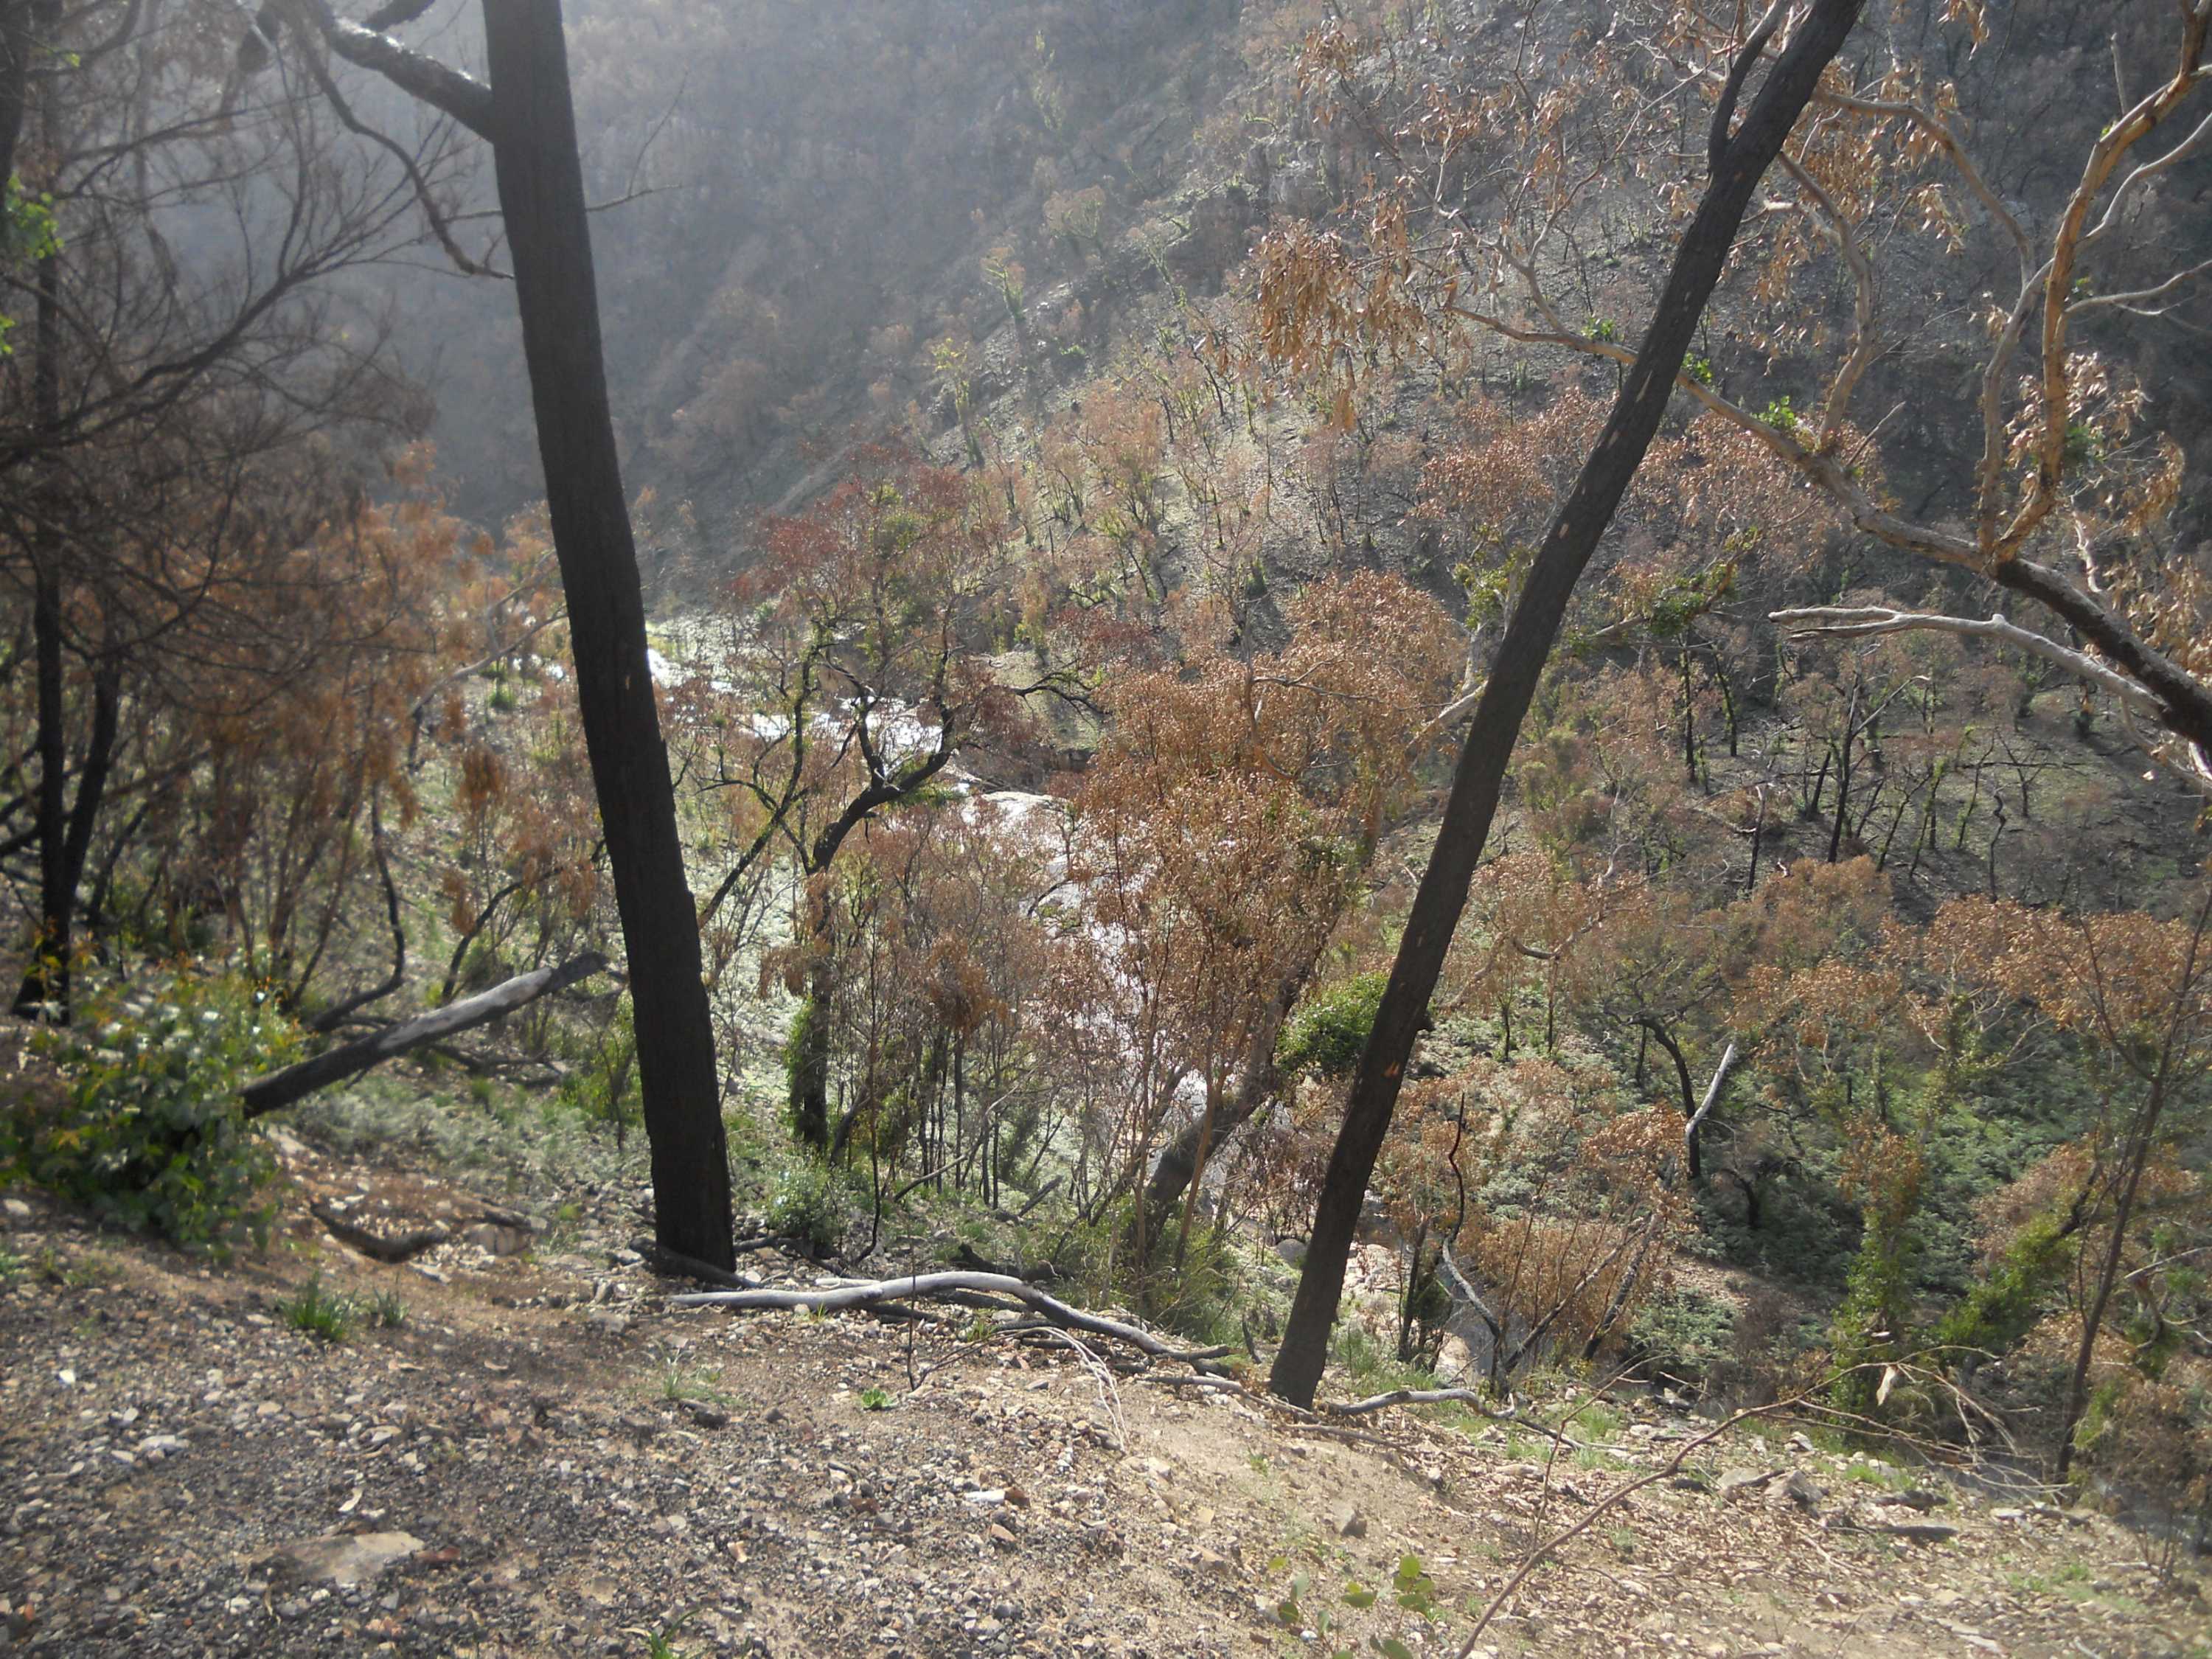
(180, 348)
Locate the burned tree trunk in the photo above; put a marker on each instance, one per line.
(1738, 162)
(541, 195)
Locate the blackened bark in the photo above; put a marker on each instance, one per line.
(1740, 162)
(541, 195)
(24, 27)
(807, 1064)
(44, 993)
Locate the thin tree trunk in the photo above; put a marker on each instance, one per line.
(1182, 1158)
(2077, 1388)
(1739, 162)
(2139, 1148)
(1692, 1162)
(809, 1063)
(1844, 779)
(44, 993)
(541, 196)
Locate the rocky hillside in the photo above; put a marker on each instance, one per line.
(513, 1445)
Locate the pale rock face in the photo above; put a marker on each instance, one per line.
(1455, 1362)
(344, 1559)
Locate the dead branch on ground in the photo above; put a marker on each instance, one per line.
(870, 1295)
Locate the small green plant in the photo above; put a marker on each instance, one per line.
(1603, 329)
(11, 1265)
(875, 1399)
(659, 1644)
(151, 1132)
(1699, 369)
(1007, 276)
(1596, 1421)
(602, 1088)
(388, 1311)
(1413, 1588)
(678, 1383)
(565, 1230)
(315, 1311)
(77, 1272)
(1780, 416)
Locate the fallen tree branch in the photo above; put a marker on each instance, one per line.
(872, 1293)
(1605, 1505)
(1109, 1394)
(1472, 1398)
(968, 1258)
(1417, 1397)
(281, 1089)
(403, 1248)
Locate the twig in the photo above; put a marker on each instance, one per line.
(1613, 1501)
(1109, 1392)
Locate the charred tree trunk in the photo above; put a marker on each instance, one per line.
(44, 993)
(1738, 162)
(24, 25)
(808, 1063)
(541, 195)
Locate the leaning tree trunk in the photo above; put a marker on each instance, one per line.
(1738, 162)
(541, 194)
(1181, 1162)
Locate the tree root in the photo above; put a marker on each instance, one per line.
(674, 1264)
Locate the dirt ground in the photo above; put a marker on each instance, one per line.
(541, 1457)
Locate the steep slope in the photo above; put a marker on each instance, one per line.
(540, 1458)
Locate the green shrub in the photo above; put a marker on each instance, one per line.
(602, 1086)
(1684, 1334)
(2005, 1304)
(150, 1132)
(806, 1201)
(1328, 1031)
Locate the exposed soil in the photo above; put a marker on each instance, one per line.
(575, 1468)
